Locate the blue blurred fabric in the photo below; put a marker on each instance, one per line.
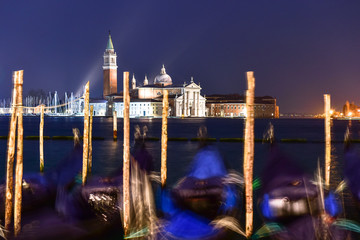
(332, 205)
(184, 224)
(207, 163)
(167, 205)
(187, 225)
(265, 207)
(231, 200)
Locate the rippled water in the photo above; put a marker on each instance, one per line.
(107, 154)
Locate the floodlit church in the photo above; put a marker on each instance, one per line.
(185, 100)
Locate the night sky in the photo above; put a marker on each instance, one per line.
(298, 49)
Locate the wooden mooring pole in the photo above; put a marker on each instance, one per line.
(164, 137)
(327, 107)
(90, 137)
(126, 155)
(86, 135)
(10, 156)
(19, 156)
(249, 153)
(41, 139)
(115, 125)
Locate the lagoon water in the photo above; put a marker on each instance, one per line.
(107, 154)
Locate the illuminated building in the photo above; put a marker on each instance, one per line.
(184, 100)
(351, 110)
(109, 69)
(146, 100)
(233, 105)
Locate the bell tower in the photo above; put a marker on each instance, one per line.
(110, 69)
(146, 81)
(133, 82)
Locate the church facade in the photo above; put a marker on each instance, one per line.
(185, 100)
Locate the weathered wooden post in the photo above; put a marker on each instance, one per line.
(115, 125)
(327, 106)
(41, 139)
(249, 153)
(90, 137)
(10, 156)
(164, 137)
(19, 156)
(86, 135)
(126, 155)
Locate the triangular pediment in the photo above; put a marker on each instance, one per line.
(193, 85)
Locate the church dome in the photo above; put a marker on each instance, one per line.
(163, 78)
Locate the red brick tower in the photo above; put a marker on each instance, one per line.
(110, 69)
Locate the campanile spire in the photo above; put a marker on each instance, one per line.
(109, 69)
(110, 45)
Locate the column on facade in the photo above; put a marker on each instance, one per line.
(198, 104)
(188, 103)
(183, 103)
(178, 109)
(194, 104)
(196, 109)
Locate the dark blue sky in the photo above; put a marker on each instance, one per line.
(298, 49)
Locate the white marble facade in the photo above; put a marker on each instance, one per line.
(190, 103)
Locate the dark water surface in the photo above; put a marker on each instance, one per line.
(107, 154)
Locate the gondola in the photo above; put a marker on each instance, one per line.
(198, 204)
(40, 189)
(292, 203)
(100, 199)
(76, 212)
(352, 170)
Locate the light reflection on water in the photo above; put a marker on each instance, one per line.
(107, 154)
